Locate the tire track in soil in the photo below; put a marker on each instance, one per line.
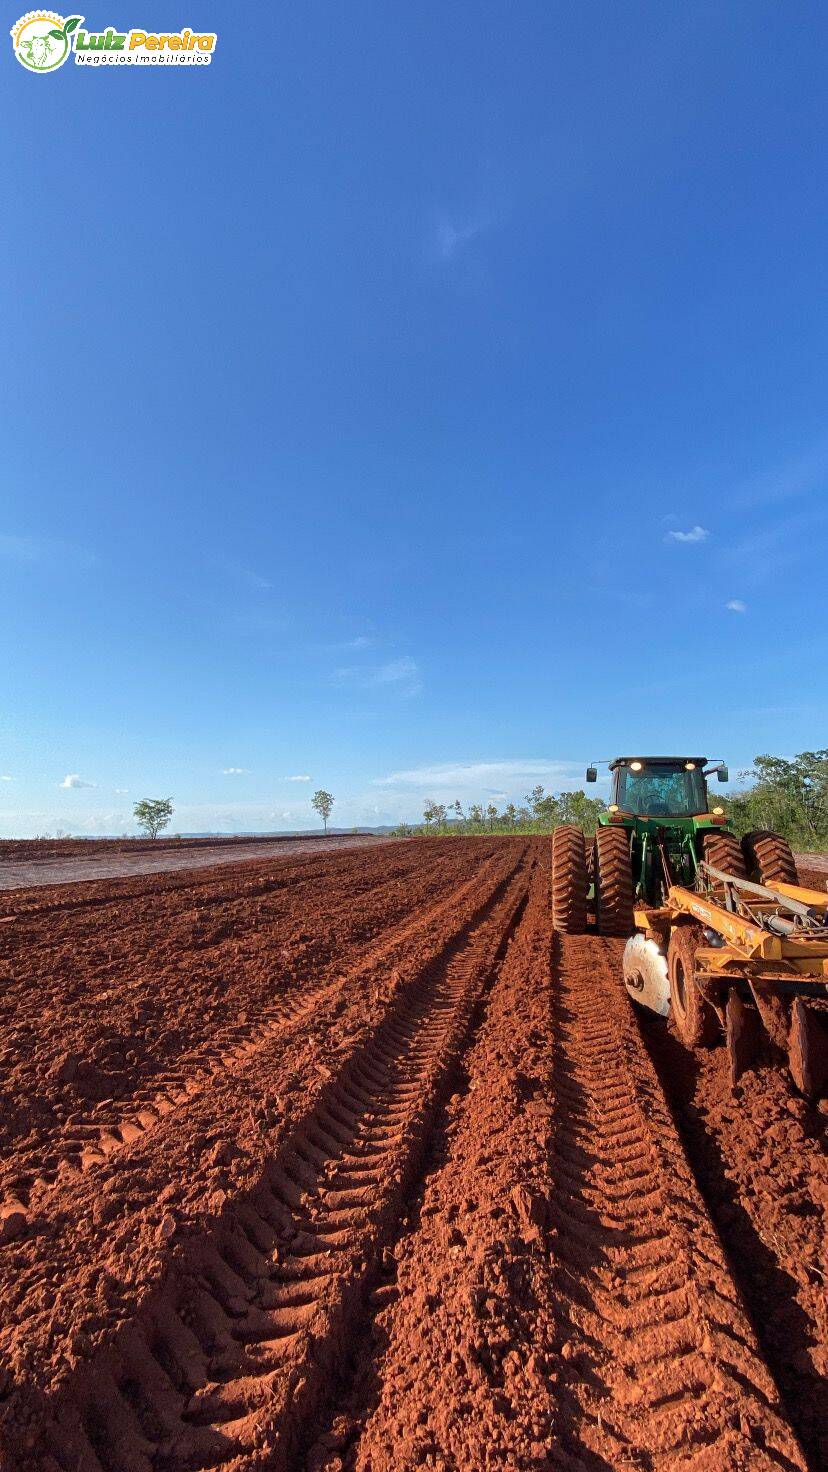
(75, 1276)
(91, 1140)
(86, 1137)
(758, 1154)
(454, 1370)
(663, 1369)
(586, 1320)
(225, 1364)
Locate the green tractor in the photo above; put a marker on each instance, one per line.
(721, 936)
(659, 825)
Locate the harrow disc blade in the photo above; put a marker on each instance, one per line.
(808, 1050)
(743, 1032)
(645, 974)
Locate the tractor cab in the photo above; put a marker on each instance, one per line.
(661, 806)
(661, 786)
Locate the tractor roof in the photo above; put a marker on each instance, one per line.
(655, 761)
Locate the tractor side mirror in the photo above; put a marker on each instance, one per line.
(722, 775)
(592, 774)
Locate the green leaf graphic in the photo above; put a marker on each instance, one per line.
(71, 24)
(58, 35)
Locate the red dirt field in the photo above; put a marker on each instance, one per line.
(347, 1162)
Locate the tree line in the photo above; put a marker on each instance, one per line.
(787, 795)
(539, 812)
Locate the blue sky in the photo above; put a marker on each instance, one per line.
(419, 401)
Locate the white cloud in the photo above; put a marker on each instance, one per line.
(401, 675)
(120, 791)
(395, 671)
(302, 777)
(233, 771)
(362, 641)
(4, 777)
(695, 534)
(452, 235)
(483, 775)
(736, 605)
(73, 781)
(255, 579)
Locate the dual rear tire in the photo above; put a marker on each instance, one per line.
(723, 851)
(613, 882)
(610, 871)
(762, 856)
(768, 858)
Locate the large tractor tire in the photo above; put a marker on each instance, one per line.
(694, 1020)
(613, 882)
(723, 851)
(769, 858)
(569, 880)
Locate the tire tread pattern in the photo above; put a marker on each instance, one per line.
(569, 880)
(724, 851)
(769, 858)
(613, 882)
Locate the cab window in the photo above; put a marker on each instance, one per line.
(670, 792)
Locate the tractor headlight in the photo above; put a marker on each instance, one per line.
(718, 812)
(636, 766)
(613, 807)
(689, 766)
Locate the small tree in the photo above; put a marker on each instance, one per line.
(534, 800)
(546, 812)
(323, 802)
(434, 814)
(152, 814)
(576, 807)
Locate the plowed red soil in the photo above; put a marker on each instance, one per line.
(349, 1162)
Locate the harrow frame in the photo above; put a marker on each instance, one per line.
(764, 956)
